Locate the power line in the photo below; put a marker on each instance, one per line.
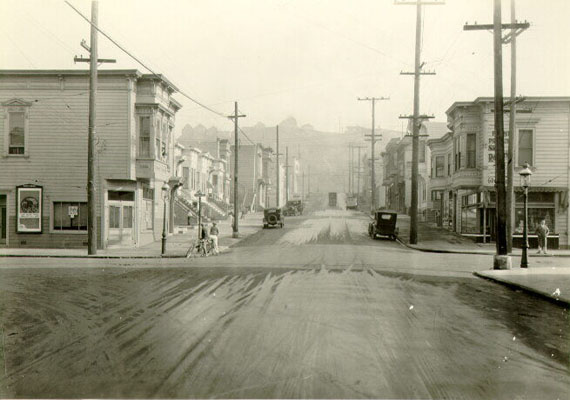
(140, 62)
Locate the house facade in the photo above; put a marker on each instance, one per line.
(462, 183)
(251, 185)
(397, 175)
(43, 157)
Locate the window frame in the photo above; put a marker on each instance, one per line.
(471, 161)
(442, 175)
(12, 107)
(533, 143)
(52, 225)
(140, 136)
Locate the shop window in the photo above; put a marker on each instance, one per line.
(144, 137)
(525, 150)
(471, 150)
(69, 216)
(535, 215)
(469, 221)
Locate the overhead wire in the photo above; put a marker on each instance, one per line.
(142, 63)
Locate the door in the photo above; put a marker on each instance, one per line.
(120, 223)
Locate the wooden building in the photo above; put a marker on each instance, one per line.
(43, 156)
(463, 178)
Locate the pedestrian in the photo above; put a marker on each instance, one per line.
(214, 232)
(542, 232)
(203, 231)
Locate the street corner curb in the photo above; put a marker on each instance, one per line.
(440, 251)
(527, 289)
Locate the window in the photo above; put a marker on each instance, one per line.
(69, 216)
(144, 137)
(157, 140)
(186, 176)
(163, 143)
(16, 129)
(439, 166)
(422, 152)
(449, 165)
(436, 195)
(457, 149)
(525, 147)
(471, 150)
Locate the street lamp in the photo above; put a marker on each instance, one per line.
(525, 174)
(199, 195)
(165, 192)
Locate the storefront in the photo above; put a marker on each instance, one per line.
(478, 212)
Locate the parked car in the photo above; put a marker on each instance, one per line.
(272, 217)
(383, 224)
(293, 207)
(351, 202)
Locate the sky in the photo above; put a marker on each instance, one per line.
(307, 59)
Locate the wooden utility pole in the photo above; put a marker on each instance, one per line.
(416, 117)
(286, 174)
(309, 181)
(372, 139)
(358, 176)
(93, 60)
(236, 117)
(303, 187)
(278, 169)
(349, 169)
(505, 198)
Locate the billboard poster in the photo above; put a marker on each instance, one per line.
(29, 209)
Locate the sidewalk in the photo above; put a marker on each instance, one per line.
(550, 281)
(176, 244)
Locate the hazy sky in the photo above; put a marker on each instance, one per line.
(309, 59)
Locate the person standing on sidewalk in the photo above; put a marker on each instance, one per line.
(214, 232)
(542, 232)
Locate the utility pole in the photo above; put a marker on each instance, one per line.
(372, 143)
(349, 168)
(278, 169)
(358, 177)
(503, 219)
(286, 174)
(309, 181)
(236, 117)
(417, 119)
(303, 188)
(93, 60)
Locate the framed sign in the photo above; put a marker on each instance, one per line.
(29, 209)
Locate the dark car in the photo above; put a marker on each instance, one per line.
(293, 207)
(272, 217)
(384, 224)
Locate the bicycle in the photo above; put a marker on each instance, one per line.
(202, 247)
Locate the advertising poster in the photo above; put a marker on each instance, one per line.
(29, 209)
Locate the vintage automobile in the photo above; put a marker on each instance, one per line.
(293, 207)
(272, 217)
(383, 224)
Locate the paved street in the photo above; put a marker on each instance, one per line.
(314, 310)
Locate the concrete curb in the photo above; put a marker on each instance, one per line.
(477, 253)
(528, 289)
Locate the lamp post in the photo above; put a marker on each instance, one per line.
(165, 192)
(199, 195)
(525, 174)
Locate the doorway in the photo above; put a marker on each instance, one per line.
(120, 219)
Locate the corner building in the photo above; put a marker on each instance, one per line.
(43, 157)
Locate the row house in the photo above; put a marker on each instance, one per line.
(206, 176)
(397, 175)
(463, 167)
(251, 184)
(43, 156)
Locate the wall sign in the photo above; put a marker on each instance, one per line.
(29, 209)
